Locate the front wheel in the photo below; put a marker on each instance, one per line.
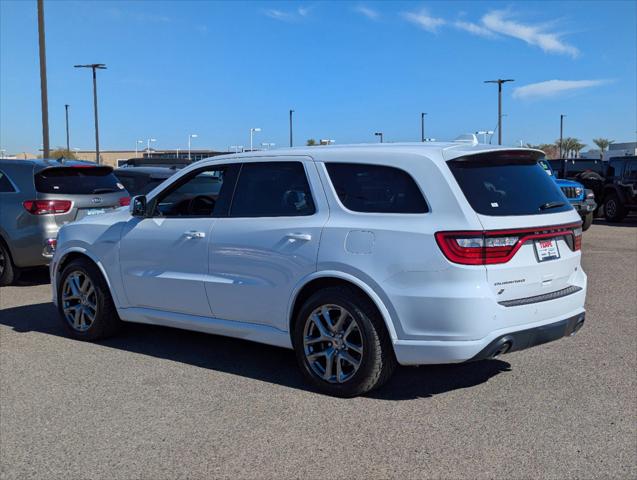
(341, 343)
(614, 209)
(587, 221)
(8, 272)
(85, 303)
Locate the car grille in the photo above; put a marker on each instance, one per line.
(570, 192)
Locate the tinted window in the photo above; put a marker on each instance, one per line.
(272, 189)
(5, 184)
(196, 195)
(129, 183)
(631, 170)
(501, 186)
(376, 188)
(77, 180)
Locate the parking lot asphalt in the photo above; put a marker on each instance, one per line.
(158, 403)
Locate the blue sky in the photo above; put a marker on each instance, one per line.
(348, 69)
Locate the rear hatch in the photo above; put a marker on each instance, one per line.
(74, 192)
(531, 235)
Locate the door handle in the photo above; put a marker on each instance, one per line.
(194, 234)
(305, 237)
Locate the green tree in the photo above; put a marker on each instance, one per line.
(602, 144)
(311, 142)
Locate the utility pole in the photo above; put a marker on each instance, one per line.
(66, 108)
(561, 132)
(43, 83)
(379, 134)
(291, 142)
(499, 81)
(422, 126)
(94, 67)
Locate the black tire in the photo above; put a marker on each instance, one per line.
(587, 221)
(377, 361)
(8, 272)
(614, 209)
(106, 321)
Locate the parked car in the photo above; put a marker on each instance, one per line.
(141, 180)
(619, 194)
(357, 257)
(582, 199)
(588, 172)
(37, 197)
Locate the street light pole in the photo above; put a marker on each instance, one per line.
(190, 137)
(291, 142)
(422, 126)
(66, 108)
(499, 81)
(379, 134)
(252, 130)
(94, 67)
(138, 142)
(44, 97)
(148, 145)
(561, 132)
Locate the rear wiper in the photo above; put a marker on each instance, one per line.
(550, 205)
(104, 190)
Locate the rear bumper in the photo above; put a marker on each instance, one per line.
(519, 337)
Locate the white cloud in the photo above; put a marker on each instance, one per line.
(553, 88)
(367, 12)
(278, 14)
(303, 11)
(497, 22)
(474, 28)
(424, 20)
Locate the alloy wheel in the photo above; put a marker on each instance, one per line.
(333, 343)
(79, 301)
(611, 208)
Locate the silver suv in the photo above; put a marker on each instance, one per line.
(37, 197)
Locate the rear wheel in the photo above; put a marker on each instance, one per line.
(85, 303)
(614, 209)
(7, 270)
(588, 221)
(341, 343)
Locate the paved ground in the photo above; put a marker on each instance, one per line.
(160, 403)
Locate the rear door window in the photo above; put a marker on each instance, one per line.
(272, 189)
(502, 185)
(77, 180)
(376, 188)
(5, 184)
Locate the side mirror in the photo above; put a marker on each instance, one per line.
(138, 206)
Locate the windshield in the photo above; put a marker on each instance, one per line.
(507, 186)
(77, 180)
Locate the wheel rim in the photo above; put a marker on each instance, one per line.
(333, 344)
(610, 208)
(3, 261)
(79, 301)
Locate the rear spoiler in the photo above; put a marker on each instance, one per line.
(500, 157)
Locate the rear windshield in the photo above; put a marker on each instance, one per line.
(507, 186)
(77, 180)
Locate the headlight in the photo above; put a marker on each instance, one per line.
(578, 191)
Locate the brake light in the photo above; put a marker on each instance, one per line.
(47, 207)
(124, 201)
(499, 246)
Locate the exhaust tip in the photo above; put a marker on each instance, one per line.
(503, 347)
(578, 326)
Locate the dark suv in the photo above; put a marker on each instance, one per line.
(37, 197)
(619, 194)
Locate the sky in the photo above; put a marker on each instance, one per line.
(348, 69)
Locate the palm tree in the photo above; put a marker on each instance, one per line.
(602, 144)
(570, 147)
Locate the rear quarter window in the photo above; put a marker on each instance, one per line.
(501, 186)
(376, 188)
(77, 180)
(5, 184)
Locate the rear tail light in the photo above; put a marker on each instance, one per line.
(46, 207)
(499, 246)
(124, 201)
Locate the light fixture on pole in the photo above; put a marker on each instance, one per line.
(500, 81)
(148, 145)
(190, 137)
(422, 126)
(252, 130)
(379, 134)
(94, 67)
(138, 142)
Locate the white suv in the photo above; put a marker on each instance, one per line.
(357, 257)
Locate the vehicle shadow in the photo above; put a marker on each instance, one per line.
(33, 277)
(628, 222)
(252, 360)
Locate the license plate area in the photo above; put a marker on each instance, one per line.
(546, 249)
(95, 211)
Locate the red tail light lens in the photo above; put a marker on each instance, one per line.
(499, 246)
(124, 201)
(47, 207)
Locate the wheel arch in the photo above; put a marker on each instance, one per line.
(325, 279)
